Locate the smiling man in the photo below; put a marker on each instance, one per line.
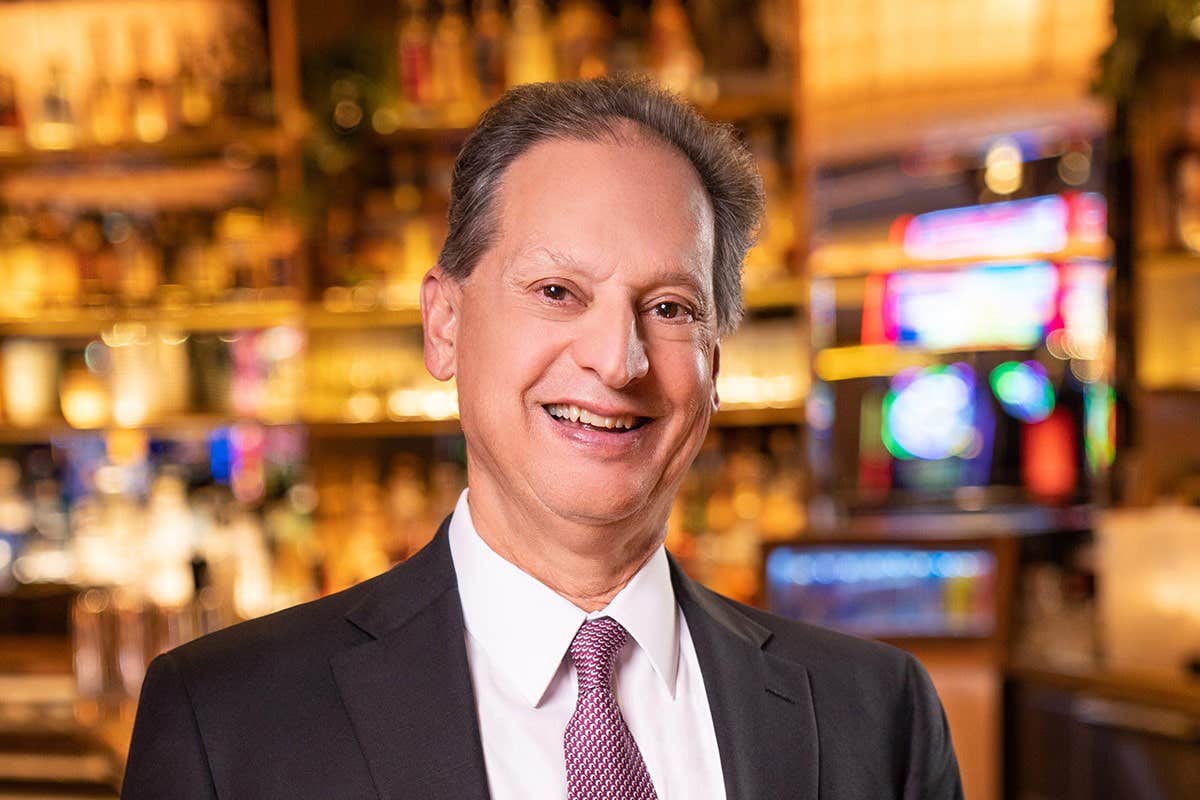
(544, 645)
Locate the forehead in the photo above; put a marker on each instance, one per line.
(637, 202)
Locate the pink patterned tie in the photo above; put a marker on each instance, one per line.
(603, 760)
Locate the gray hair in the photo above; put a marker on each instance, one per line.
(594, 110)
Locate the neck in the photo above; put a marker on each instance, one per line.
(586, 564)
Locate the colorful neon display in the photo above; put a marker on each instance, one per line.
(1007, 305)
(930, 413)
(1014, 228)
(1023, 390)
(1099, 434)
(885, 591)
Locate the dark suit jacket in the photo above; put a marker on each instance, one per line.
(367, 694)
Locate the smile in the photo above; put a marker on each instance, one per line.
(576, 416)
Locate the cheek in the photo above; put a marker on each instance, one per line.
(685, 372)
(507, 349)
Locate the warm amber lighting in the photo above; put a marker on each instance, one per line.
(84, 399)
(53, 135)
(1003, 170)
(126, 446)
(29, 371)
(865, 361)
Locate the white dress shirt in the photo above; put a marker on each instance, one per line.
(517, 634)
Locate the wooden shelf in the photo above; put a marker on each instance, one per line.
(199, 424)
(76, 323)
(230, 140)
(738, 97)
(251, 314)
(1179, 262)
(1180, 693)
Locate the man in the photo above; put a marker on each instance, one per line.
(544, 645)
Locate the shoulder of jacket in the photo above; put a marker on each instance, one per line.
(298, 634)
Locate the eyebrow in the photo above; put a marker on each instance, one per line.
(673, 276)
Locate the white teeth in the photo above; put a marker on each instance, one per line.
(577, 414)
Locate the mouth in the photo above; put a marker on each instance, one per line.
(576, 417)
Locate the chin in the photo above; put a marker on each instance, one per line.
(613, 504)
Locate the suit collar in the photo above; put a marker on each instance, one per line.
(409, 696)
(761, 705)
(525, 627)
(408, 689)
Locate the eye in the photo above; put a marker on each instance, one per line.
(668, 309)
(555, 292)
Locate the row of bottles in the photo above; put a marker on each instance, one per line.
(371, 376)
(66, 258)
(165, 545)
(379, 240)
(212, 516)
(448, 66)
(377, 509)
(137, 374)
(745, 488)
(172, 78)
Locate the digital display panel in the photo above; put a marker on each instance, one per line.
(888, 592)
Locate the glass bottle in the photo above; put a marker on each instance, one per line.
(11, 123)
(455, 88)
(674, 58)
(107, 106)
(414, 59)
(57, 127)
(582, 32)
(197, 102)
(488, 42)
(151, 109)
(530, 46)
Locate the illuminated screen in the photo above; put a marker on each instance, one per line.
(885, 592)
(1017, 227)
(930, 413)
(1007, 305)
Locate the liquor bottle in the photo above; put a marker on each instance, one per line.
(530, 46)
(11, 123)
(57, 127)
(770, 258)
(87, 240)
(60, 282)
(197, 102)
(488, 42)
(627, 53)
(151, 108)
(455, 89)
(245, 92)
(414, 60)
(140, 263)
(674, 59)
(583, 32)
(108, 107)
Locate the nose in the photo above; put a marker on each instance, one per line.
(610, 344)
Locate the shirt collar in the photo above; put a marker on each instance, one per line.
(525, 627)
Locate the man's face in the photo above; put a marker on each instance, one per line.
(585, 341)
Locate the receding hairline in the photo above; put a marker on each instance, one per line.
(619, 131)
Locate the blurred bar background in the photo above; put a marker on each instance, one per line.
(962, 415)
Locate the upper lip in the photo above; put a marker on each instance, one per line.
(600, 410)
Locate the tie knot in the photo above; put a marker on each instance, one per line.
(594, 651)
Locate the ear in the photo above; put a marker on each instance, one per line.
(716, 368)
(441, 297)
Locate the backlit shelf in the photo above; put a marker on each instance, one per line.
(199, 424)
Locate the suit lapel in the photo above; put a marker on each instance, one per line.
(761, 705)
(408, 690)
